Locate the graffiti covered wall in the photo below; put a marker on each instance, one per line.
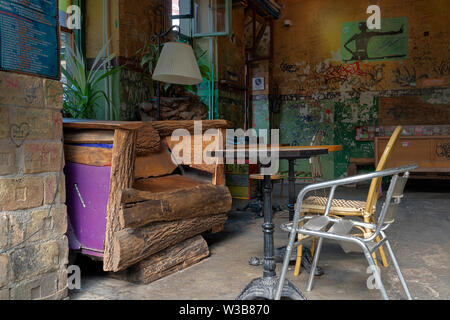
(335, 74)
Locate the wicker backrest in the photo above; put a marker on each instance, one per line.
(372, 196)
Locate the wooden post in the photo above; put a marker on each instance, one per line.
(122, 176)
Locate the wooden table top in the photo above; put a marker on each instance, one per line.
(284, 152)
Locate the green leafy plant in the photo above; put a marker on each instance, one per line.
(81, 94)
(149, 60)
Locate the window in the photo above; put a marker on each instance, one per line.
(66, 35)
(202, 18)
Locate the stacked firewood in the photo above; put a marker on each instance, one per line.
(184, 108)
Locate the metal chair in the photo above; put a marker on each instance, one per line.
(315, 165)
(340, 229)
(343, 207)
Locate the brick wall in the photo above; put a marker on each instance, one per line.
(33, 218)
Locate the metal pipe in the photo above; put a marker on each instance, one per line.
(104, 40)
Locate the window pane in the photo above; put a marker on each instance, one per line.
(66, 41)
(181, 7)
(210, 16)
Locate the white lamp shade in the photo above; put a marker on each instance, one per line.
(177, 64)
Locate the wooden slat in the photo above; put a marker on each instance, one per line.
(363, 161)
(416, 149)
(146, 207)
(89, 136)
(166, 184)
(168, 261)
(97, 124)
(134, 245)
(99, 157)
(411, 110)
(122, 177)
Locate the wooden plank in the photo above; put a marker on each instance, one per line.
(89, 136)
(165, 128)
(362, 161)
(154, 164)
(122, 177)
(99, 157)
(97, 124)
(168, 261)
(134, 245)
(166, 184)
(416, 149)
(141, 208)
(410, 110)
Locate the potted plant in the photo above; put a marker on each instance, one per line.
(81, 94)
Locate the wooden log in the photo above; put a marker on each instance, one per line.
(168, 261)
(134, 245)
(147, 140)
(89, 136)
(122, 177)
(154, 164)
(165, 128)
(141, 208)
(99, 157)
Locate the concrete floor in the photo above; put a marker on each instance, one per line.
(420, 239)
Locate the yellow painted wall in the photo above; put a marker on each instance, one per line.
(312, 44)
(139, 20)
(94, 27)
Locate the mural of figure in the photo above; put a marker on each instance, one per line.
(362, 42)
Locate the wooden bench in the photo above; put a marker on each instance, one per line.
(149, 207)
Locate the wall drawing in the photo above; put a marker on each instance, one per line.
(390, 43)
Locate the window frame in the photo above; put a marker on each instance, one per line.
(228, 22)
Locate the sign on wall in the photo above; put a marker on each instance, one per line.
(388, 43)
(29, 37)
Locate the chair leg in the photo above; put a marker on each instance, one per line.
(382, 255)
(314, 265)
(375, 259)
(381, 250)
(374, 254)
(313, 246)
(376, 273)
(397, 268)
(298, 261)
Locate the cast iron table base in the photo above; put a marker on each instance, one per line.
(265, 288)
